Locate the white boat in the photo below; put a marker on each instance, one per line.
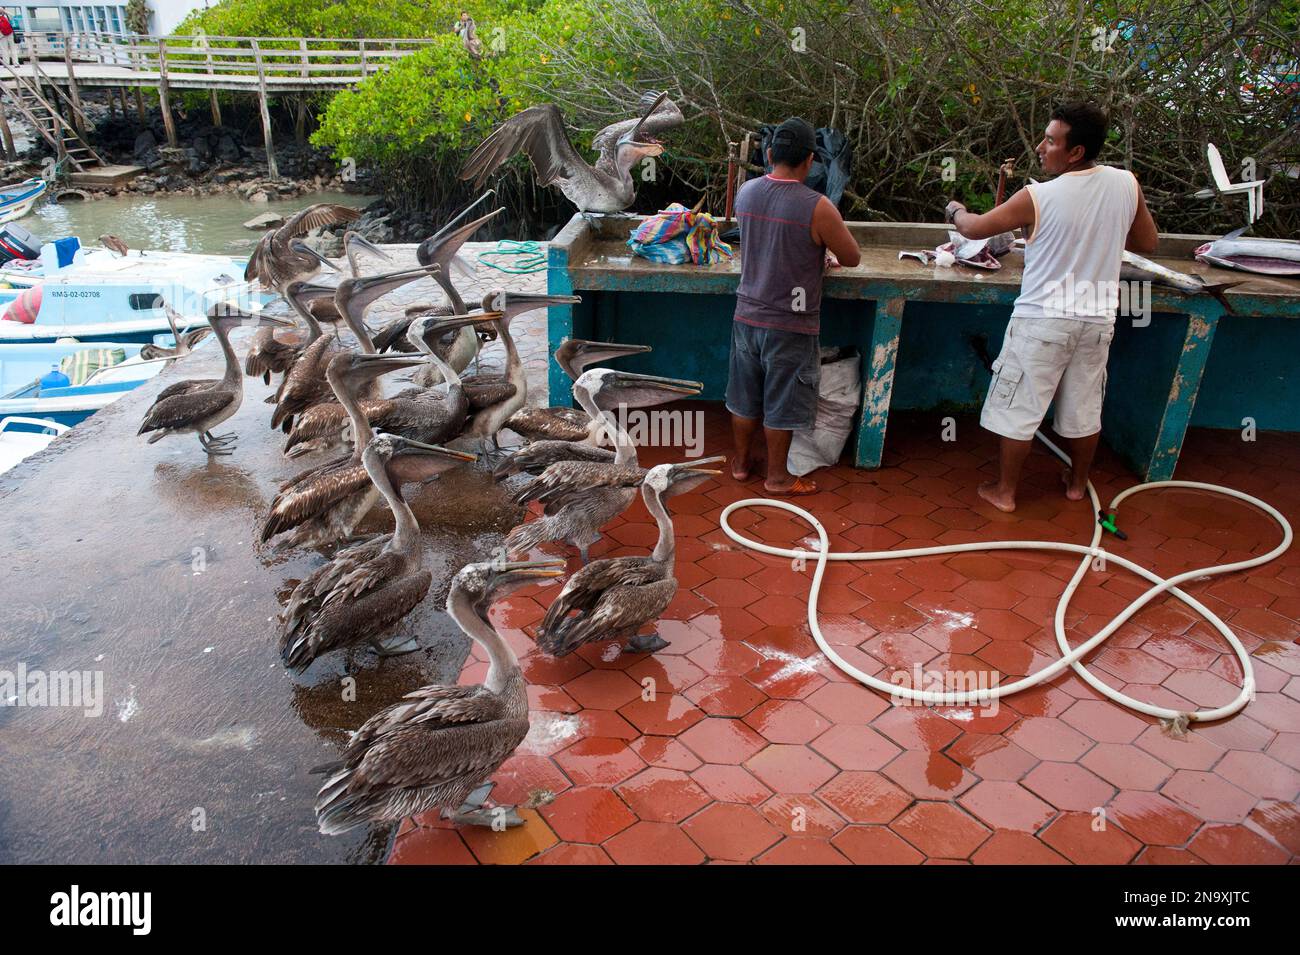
(103, 296)
(28, 388)
(17, 200)
(22, 437)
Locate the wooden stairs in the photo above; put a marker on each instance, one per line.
(68, 144)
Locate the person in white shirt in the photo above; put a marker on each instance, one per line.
(1077, 226)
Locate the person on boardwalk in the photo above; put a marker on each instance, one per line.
(8, 42)
(1077, 225)
(789, 236)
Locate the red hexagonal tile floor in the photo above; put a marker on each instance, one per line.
(741, 743)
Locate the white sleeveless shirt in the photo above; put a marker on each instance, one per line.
(1072, 256)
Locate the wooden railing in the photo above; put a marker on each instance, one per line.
(336, 60)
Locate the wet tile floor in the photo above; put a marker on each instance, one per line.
(753, 748)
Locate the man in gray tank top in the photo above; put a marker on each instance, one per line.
(789, 235)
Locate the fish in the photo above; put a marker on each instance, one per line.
(1134, 268)
(1279, 257)
(978, 253)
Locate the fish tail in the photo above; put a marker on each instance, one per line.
(1218, 290)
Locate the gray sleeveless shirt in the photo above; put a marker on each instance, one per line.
(781, 267)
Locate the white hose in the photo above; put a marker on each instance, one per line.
(1070, 658)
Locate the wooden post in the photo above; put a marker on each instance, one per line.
(212, 93)
(10, 153)
(363, 59)
(74, 93)
(300, 123)
(272, 170)
(139, 106)
(163, 99)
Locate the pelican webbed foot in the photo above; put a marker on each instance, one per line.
(645, 643)
(217, 446)
(496, 818)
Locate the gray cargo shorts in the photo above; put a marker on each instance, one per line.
(773, 375)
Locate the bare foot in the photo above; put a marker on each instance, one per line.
(741, 469)
(798, 487)
(990, 493)
(1073, 492)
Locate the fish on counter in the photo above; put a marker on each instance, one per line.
(1135, 268)
(1278, 257)
(977, 253)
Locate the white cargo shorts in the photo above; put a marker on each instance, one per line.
(1042, 359)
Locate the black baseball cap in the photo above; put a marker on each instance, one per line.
(796, 132)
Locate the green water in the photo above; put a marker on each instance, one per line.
(210, 224)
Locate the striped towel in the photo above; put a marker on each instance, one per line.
(677, 235)
(80, 366)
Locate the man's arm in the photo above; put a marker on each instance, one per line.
(1016, 213)
(1142, 235)
(828, 229)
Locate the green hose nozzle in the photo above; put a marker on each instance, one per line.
(1107, 522)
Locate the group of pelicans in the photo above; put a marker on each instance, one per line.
(438, 747)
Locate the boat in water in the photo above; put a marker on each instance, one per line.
(99, 295)
(67, 382)
(21, 437)
(17, 200)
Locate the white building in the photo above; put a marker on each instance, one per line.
(76, 16)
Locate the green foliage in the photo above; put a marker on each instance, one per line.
(137, 16)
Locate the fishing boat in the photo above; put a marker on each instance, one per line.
(17, 200)
(21, 437)
(31, 383)
(98, 295)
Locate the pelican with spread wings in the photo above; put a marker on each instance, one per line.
(606, 187)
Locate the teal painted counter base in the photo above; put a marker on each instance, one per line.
(920, 331)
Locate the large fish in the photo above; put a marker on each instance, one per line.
(1262, 256)
(1134, 268)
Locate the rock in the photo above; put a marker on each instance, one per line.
(267, 220)
(227, 149)
(144, 143)
(259, 197)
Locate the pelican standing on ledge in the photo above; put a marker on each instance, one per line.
(582, 496)
(559, 423)
(438, 748)
(606, 187)
(613, 598)
(198, 406)
(368, 587)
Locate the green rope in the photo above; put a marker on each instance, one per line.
(534, 259)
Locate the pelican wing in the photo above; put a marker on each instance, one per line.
(667, 116)
(328, 418)
(539, 132)
(257, 268)
(434, 706)
(362, 605)
(609, 597)
(306, 498)
(562, 424)
(310, 594)
(269, 354)
(179, 411)
(186, 387)
(314, 217)
(567, 477)
(484, 392)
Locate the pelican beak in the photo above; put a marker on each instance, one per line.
(515, 574)
(633, 136)
(411, 446)
(356, 238)
(457, 321)
(273, 321)
(300, 246)
(691, 469)
(666, 386)
(388, 361)
(397, 278)
(441, 246)
(593, 352)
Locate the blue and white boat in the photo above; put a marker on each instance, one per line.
(22, 437)
(101, 296)
(28, 387)
(17, 200)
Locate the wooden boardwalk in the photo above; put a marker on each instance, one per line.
(263, 66)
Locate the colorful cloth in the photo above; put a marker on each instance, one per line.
(80, 366)
(677, 235)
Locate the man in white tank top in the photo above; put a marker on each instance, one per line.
(1056, 345)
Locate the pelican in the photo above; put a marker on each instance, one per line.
(606, 187)
(185, 343)
(280, 258)
(426, 414)
(370, 586)
(613, 598)
(115, 244)
(570, 424)
(314, 304)
(199, 405)
(304, 385)
(438, 747)
(324, 504)
(583, 496)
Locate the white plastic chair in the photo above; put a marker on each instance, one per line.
(1254, 189)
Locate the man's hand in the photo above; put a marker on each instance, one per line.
(950, 211)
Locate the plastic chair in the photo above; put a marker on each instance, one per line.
(1254, 189)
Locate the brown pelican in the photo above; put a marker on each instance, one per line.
(430, 414)
(115, 244)
(370, 586)
(324, 504)
(570, 424)
(606, 187)
(185, 342)
(441, 743)
(613, 598)
(583, 496)
(304, 386)
(198, 406)
(280, 256)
